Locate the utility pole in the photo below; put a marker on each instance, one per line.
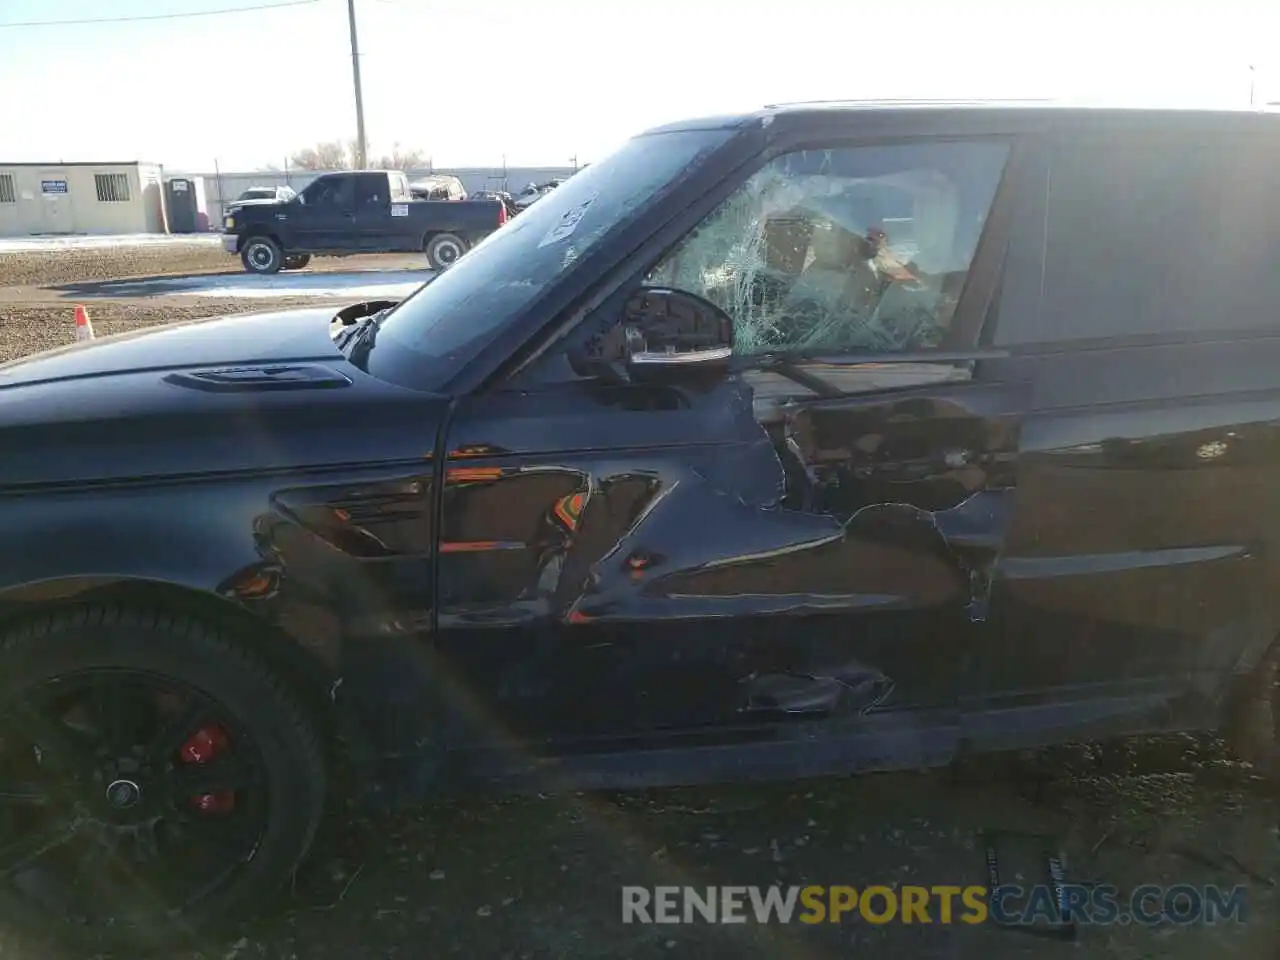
(361, 144)
(1253, 77)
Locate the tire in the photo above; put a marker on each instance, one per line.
(296, 261)
(258, 721)
(444, 250)
(261, 255)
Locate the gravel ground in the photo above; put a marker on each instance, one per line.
(38, 289)
(73, 264)
(540, 877)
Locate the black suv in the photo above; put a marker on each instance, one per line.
(825, 439)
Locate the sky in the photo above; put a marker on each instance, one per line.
(544, 81)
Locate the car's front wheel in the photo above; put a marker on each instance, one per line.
(261, 255)
(444, 250)
(156, 776)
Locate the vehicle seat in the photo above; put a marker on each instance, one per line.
(839, 285)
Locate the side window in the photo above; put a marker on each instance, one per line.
(335, 192)
(859, 249)
(317, 194)
(371, 191)
(1179, 236)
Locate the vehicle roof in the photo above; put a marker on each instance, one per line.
(348, 173)
(957, 112)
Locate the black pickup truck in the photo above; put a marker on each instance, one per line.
(340, 214)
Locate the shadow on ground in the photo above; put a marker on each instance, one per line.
(541, 877)
(103, 288)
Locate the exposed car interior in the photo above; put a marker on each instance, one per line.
(824, 264)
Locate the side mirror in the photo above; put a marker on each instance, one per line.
(667, 329)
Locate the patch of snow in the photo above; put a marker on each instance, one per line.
(32, 244)
(359, 285)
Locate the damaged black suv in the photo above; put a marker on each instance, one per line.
(827, 439)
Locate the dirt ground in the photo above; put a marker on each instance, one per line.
(39, 289)
(541, 877)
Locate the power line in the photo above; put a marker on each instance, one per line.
(160, 16)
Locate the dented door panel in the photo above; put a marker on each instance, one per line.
(640, 558)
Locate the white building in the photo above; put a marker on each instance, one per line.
(70, 198)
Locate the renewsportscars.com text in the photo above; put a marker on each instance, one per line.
(1101, 904)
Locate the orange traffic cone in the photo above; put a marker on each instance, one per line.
(84, 329)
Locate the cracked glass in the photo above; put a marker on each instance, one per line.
(852, 250)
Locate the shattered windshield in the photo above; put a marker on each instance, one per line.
(449, 319)
(862, 249)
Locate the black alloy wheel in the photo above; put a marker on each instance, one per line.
(140, 800)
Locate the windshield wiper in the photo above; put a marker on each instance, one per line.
(357, 319)
(352, 332)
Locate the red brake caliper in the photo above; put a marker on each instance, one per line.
(200, 748)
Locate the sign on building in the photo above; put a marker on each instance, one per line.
(53, 187)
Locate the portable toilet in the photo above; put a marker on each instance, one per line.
(188, 211)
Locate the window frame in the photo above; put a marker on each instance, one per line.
(967, 341)
(973, 305)
(333, 186)
(364, 199)
(12, 195)
(112, 180)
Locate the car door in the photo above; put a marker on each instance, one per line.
(372, 209)
(1138, 567)
(326, 220)
(808, 537)
(405, 233)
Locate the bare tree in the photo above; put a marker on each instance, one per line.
(341, 155)
(330, 155)
(401, 159)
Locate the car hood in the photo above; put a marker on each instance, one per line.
(236, 206)
(257, 392)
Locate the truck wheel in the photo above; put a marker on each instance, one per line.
(444, 249)
(261, 255)
(158, 776)
(296, 261)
